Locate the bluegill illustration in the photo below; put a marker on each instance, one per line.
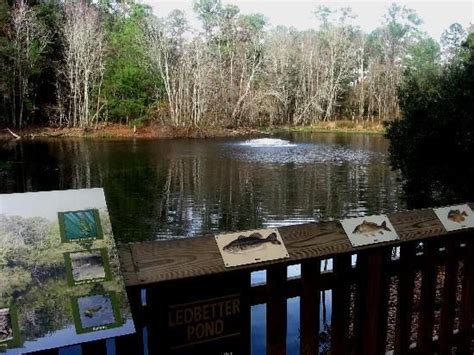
(371, 228)
(457, 216)
(253, 241)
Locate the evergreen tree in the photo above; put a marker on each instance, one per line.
(128, 86)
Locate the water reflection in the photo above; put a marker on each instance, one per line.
(172, 188)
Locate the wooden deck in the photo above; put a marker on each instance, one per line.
(414, 295)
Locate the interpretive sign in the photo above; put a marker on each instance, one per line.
(60, 281)
(204, 320)
(251, 247)
(455, 217)
(200, 315)
(369, 230)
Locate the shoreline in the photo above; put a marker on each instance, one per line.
(155, 131)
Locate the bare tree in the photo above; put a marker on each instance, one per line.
(83, 66)
(29, 39)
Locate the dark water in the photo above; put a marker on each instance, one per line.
(173, 188)
(159, 189)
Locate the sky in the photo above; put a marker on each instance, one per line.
(48, 204)
(436, 15)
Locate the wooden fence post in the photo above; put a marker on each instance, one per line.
(276, 310)
(371, 314)
(406, 282)
(446, 324)
(340, 305)
(309, 307)
(467, 299)
(427, 299)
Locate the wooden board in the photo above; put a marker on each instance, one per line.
(151, 262)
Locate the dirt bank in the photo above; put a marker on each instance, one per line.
(124, 131)
(153, 131)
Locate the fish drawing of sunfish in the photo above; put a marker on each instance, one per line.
(457, 216)
(371, 228)
(253, 241)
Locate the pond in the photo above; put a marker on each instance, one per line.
(160, 189)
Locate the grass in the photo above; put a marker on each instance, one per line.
(336, 127)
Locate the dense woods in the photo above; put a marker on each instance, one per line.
(433, 145)
(79, 63)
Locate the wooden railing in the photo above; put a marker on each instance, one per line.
(414, 295)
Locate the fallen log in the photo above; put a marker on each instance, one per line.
(13, 134)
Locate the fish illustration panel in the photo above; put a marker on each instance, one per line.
(455, 217)
(369, 230)
(251, 247)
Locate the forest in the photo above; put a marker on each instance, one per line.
(81, 63)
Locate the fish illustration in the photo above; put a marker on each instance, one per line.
(90, 312)
(457, 216)
(254, 240)
(371, 228)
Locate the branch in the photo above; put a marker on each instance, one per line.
(13, 134)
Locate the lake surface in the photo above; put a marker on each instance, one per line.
(158, 189)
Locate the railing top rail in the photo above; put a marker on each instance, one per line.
(159, 261)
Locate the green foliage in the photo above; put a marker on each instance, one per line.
(422, 64)
(433, 144)
(235, 72)
(127, 84)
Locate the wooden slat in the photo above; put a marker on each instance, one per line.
(449, 299)
(467, 301)
(276, 311)
(309, 307)
(372, 297)
(340, 305)
(151, 262)
(427, 300)
(405, 299)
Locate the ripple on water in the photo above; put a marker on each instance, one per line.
(279, 151)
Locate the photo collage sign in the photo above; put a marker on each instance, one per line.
(58, 262)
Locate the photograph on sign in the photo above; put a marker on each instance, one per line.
(369, 230)
(33, 228)
(251, 247)
(6, 326)
(9, 334)
(455, 217)
(95, 312)
(79, 225)
(87, 266)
